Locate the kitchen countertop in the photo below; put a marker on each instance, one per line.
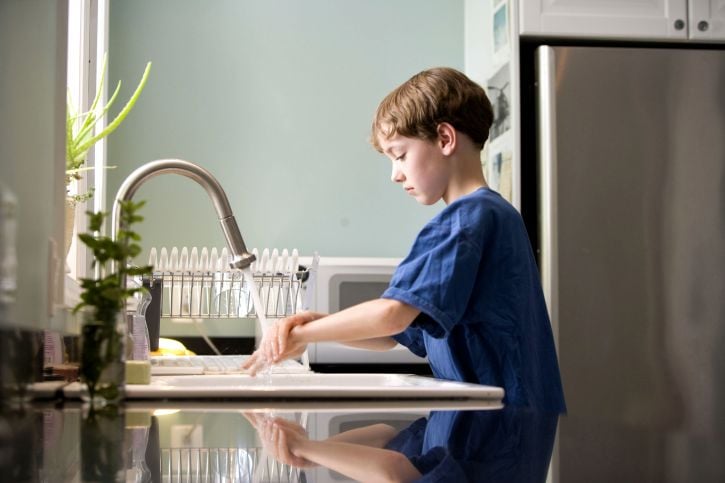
(231, 441)
(445, 440)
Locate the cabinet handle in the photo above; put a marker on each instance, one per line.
(679, 24)
(702, 26)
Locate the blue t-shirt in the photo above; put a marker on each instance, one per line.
(472, 274)
(510, 445)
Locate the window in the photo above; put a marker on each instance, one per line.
(87, 43)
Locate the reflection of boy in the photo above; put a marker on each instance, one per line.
(511, 445)
(358, 453)
(468, 294)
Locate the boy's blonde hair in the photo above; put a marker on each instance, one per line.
(419, 105)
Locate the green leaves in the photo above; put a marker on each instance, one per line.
(107, 294)
(80, 127)
(95, 220)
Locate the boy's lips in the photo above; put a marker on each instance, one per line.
(408, 189)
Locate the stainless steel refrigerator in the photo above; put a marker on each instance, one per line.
(623, 172)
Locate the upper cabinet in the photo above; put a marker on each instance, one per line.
(707, 20)
(701, 20)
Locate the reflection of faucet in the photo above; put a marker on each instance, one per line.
(241, 258)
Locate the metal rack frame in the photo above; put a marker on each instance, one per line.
(227, 294)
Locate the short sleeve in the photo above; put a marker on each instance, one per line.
(412, 338)
(409, 441)
(438, 275)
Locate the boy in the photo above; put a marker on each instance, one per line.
(468, 294)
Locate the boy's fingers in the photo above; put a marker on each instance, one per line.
(257, 367)
(283, 334)
(255, 363)
(283, 449)
(281, 344)
(269, 350)
(275, 342)
(252, 369)
(248, 363)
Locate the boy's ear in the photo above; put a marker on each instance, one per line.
(446, 138)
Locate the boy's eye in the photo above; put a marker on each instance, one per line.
(401, 157)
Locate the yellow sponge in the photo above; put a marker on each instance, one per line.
(171, 347)
(138, 372)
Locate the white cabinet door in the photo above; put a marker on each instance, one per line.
(707, 20)
(621, 19)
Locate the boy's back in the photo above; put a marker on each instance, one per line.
(483, 319)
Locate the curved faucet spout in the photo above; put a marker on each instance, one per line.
(241, 258)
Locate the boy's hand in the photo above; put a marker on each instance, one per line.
(283, 439)
(282, 342)
(256, 363)
(280, 438)
(279, 343)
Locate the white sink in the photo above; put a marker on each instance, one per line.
(291, 380)
(312, 385)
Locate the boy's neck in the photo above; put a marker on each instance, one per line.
(468, 178)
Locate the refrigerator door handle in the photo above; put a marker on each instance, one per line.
(546, 134)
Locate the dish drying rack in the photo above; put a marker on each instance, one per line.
(202, 285)
(243, 464)
(225, 464)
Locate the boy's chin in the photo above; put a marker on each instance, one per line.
(426, 201)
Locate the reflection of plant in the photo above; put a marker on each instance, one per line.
(106, 296)
(81, 128)
(102, 445)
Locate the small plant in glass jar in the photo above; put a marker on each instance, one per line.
(103, 304)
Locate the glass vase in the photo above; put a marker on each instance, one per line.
(103, 359)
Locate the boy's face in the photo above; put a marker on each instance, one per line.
(419, 166)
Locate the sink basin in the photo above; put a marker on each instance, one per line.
(311, 385)
(291, 380)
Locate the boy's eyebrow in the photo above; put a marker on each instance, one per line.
(389, 149)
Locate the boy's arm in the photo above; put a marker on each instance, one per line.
(374, 321)
(375, 344)
(288, 443)
(375, 435)
(369, 320)
(361, 463)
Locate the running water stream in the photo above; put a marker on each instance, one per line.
(259, 309)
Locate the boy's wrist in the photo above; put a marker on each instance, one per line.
(296, 335)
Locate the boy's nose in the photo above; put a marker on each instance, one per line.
(396, 176)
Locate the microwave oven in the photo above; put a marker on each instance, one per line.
(341, 283)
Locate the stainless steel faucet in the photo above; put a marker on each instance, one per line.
(241, 258)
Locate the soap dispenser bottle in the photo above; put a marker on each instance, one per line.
(138, 365)
(139, 330)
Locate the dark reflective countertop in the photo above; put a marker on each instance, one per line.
(263, 441)
(337, 441)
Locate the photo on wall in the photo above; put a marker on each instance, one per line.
(501, 31)
(499, 92)
(496, 163)
(499, 173)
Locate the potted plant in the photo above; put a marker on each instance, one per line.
(103, 301)
(82, 132)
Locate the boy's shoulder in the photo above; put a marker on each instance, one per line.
(483, 213)
(481, 206)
